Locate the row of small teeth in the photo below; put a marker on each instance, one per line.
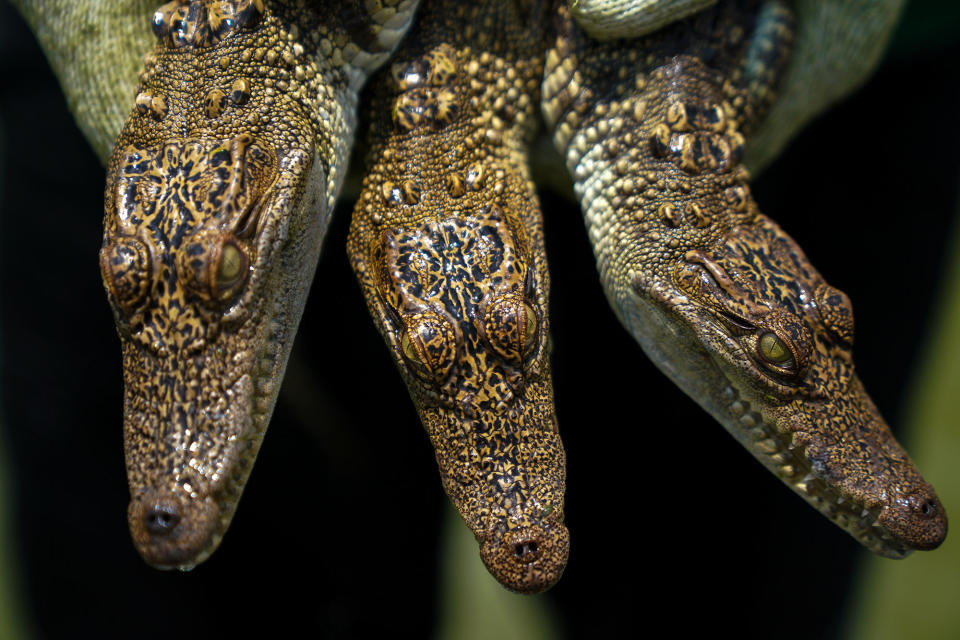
(780, 457)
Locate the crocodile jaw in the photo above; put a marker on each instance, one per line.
(186, 480)
(872, 491)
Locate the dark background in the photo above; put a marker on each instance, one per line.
(339, 528)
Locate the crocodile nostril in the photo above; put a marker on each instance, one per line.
(526, 550)
(161, 520)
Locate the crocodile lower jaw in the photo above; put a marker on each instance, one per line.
(779, 452)
(673, 348)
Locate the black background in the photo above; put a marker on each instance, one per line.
(339, 529)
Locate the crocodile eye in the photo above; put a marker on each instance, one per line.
(232, 263)
(531, 330)
(126, 268)
(428, 345)
(511, 325)
(773, 350)
(411, 354)
(213, 266)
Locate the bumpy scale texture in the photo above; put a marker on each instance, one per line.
(447, 242)
(221, 181)
(718, 295)
(218, 193)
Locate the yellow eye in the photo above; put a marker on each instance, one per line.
(231, 266)
(213, 267)
(773, 350)
(410, 353)
(530, 335)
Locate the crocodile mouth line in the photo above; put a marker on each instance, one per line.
(788, 461)
(261, 407)
(227, 496)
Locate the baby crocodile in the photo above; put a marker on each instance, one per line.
(447, 242)
(220, 186)
(720, 298)
(219, 191)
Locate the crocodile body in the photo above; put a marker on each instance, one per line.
(720, 298)
(447, 243)
(222, 179)
(219, 191)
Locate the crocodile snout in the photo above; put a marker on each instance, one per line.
(528, 559)
(173, 531)
(917, 519)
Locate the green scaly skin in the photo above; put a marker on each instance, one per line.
(721, 299)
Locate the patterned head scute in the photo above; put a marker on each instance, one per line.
(191, 208)
(455, 285)
(758, 288)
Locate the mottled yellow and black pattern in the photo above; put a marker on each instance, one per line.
(721, 299)
(447, 241)
(218, 194)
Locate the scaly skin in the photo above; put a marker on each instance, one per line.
(218, 193)
(447, 243)
(721, 299)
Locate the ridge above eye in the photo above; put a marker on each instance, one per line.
(428, 345)
(511, 325)
(127, 270)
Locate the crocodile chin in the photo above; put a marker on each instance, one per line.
(209, 249)
(752, 333)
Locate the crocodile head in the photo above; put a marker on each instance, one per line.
(206, 264)
(751, 331)
(462, 304)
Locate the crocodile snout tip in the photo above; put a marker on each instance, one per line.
(528, 559)
(173, 531)
(917, 519)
